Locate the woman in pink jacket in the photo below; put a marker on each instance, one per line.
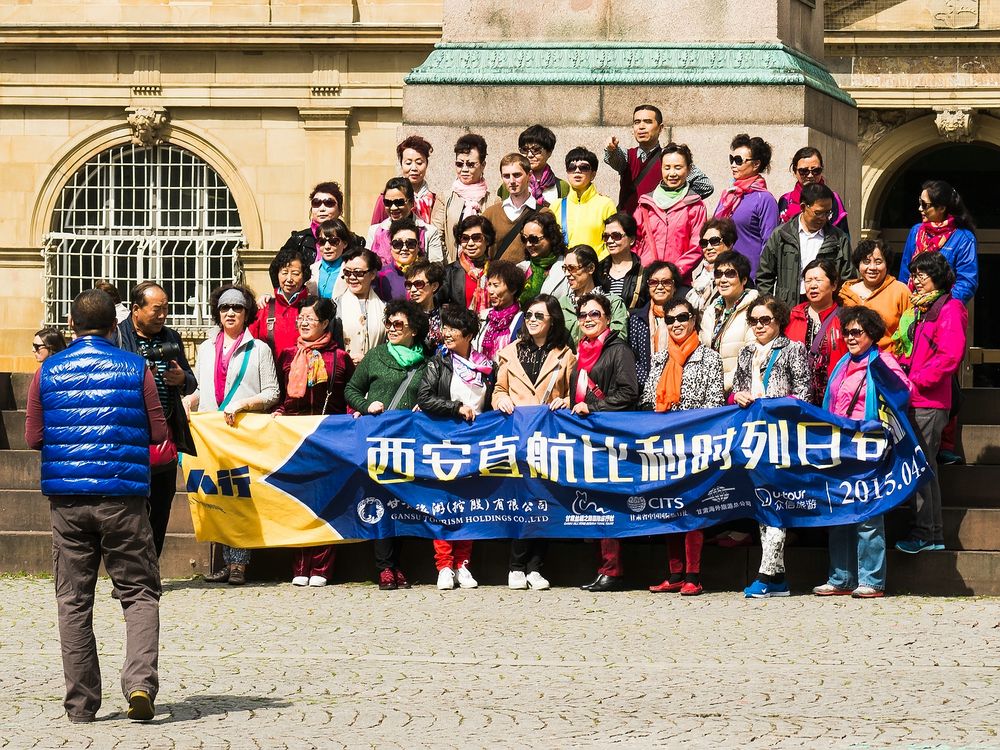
(670, 218)
(930, 344)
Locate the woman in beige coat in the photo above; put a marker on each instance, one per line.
(724, 324)
(534, 370)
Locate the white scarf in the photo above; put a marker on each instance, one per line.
(364, 328)
(761, 353)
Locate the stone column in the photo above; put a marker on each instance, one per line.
(327, 145)
(715, 68)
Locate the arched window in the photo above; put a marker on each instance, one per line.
(136, 213)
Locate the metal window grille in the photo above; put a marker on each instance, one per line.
(135, 213)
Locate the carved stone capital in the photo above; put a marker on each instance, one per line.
(875, 124)
(956, 125)
(147, 124)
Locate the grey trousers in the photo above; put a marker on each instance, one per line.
(86, 530)
(927, 523)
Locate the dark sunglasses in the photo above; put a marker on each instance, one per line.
(579, 166)
(709, 242)
(613, 236)
(738, 160)
(234, 308)
(395, 325)
(531, 239)
(809, 171)
(683, 317)
(660, 283)
(409, 244)
(394, 203)
(763, 320)
(729, 273)
(39, 347)
(328, 202)
(417, 284)
(466, 164)
(924, 206)
(853, 333)
(335, 241)
(535, 316)
(351, 273)
(590, 314)
(465, 239)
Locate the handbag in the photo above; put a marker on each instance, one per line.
(162, 455)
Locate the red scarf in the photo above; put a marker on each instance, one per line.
(932, 237)
(476, 275)
(422, 207)
(539, 185)
(587, 353)
(734, 194)
(793, 205)
(303, 365)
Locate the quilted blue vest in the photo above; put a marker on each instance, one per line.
(96, 432)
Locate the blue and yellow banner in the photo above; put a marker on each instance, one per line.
(300, 481)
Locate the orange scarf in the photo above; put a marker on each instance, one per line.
(657, 330)
(307, 367)
(668, 389)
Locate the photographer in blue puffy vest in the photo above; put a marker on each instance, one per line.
(93, 411)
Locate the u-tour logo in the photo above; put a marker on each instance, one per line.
(227, 482)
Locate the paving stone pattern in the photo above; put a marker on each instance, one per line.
(270, 666)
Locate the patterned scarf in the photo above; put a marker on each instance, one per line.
(668, 389)
(735, 192)
(931, 237)
(472, 195)
(658, 335)
(758, 365)
(474, 369)
(308, 367)
(539, 185)
(424, 204)
(920, 303)
(497, 333)
(538, 271)
(480, 299)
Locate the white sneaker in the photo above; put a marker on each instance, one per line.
(300, 581)
(516, 580)
(446, 579)
(537, 581)
(465, 579)
(317, 581)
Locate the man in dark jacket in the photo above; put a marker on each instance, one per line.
(798, 242)
(93, 411)
(144, 332)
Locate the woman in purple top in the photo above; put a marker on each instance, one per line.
(747, 202)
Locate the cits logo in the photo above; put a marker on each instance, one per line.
(371, 510)
(227, 482)
(636, 503)
(584, 507)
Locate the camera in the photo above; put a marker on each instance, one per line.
(163, 352)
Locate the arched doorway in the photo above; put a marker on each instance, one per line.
(970, 168)
(133, 213)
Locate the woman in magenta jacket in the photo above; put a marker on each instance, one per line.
(671, 217)
(930, 344)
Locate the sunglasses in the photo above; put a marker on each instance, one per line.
(417, 284)
(395, 325)
(465, 239)
(334, 241)
(728, 273)
(924, 206)
(739, 161)
(590, 315)
(853, 333)
(466, 164)
(683, 317)
(349, 273)
(394, 203)
(660, 283)
(572, 268)
(531, 151)
(579, 166)
(410, 244)
(809, 171)
(531, 239)
(709, 242)
(38, 347)
(234, 308)
(535, 316)
(763, 320)
(328, 202)
(613, 236)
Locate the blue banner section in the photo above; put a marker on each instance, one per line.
(540, 473)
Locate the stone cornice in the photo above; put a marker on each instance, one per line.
(882, 97)
(845, 42)
(610, 63)
(210, 36)
(21, 257)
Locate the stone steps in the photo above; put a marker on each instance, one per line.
(12, 430)
(981, 443)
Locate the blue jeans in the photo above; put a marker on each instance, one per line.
(857, 555)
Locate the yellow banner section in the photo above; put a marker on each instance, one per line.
(229, 503)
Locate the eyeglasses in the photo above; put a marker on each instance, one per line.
(466, 164)
(395, 325)
(823, 215)
(613, 236)
(531, 151)
(763, 320)
(924, 206)
(590, 315)
(809, 171)
(328, 202)
(571, 268)
(417, 284)
(409, 244)
(531, 239)
(920, 277)
(853, 333)
(660, 283)
(739, 161)
(334, 241)
(465, 239)
(350, 273)
(39, 347)
(234, 308)
(301, 322)
(579, 166)
(709, 241)
(683, 317)
(535, 316)
(728, 273)
(394, 203)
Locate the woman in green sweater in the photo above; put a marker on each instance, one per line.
(387, 378)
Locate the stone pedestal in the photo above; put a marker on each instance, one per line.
(715, 68)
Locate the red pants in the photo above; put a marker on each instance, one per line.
(452, 554)
(685, 546)
(611, 558)
(313, 561)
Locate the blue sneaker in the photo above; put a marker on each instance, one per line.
(913, 546)
(762, 590)
(938, 547)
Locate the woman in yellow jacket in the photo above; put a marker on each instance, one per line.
(876, 288)
(581, 214)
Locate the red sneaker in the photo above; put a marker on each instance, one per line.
(387, 580)
(691, 589)
(666, 587)
(401, 581)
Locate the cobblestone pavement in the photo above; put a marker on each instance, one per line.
(270, 666)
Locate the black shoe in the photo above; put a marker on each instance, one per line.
(586, 586)
(606, 583)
